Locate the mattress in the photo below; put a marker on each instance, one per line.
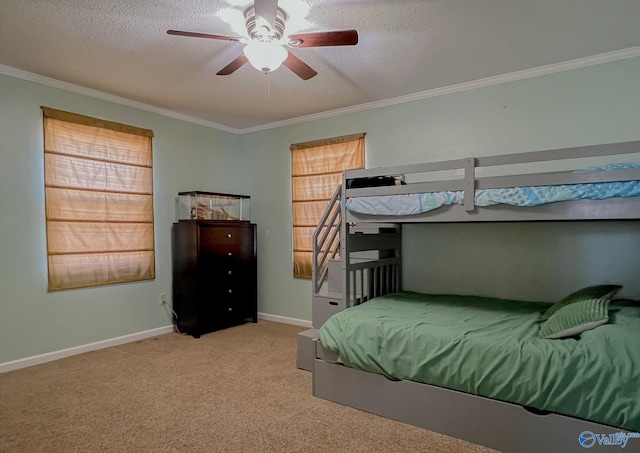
(409, 204)
(490, 347)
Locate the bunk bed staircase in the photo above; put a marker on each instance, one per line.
(373, 268)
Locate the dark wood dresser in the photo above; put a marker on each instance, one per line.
(214, 274)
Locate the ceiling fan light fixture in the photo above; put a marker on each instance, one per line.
(265, 56)
(264, 37)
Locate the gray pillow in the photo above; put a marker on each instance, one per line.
(590, 292)
(576, 318)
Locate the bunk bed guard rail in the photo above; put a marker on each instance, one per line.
(469, 182)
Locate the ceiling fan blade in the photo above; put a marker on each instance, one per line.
(324, 38)
(203, 35)
(267, 9)
(299, 67)
(233, 66)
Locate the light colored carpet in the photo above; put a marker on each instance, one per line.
(236, 390)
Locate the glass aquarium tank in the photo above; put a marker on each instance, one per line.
(197, 205)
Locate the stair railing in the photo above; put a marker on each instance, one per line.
(326, 240)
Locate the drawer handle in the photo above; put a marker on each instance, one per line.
(229, 235)
(229, 273)
(230, 290)
(229, 254)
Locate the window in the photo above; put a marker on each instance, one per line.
(99, 201)
(316, 170)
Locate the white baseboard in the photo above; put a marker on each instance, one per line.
(61, 354)
(55, 355)
(284, 319)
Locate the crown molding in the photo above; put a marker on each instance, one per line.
(55, 83)
(593, 60)
(631, 52)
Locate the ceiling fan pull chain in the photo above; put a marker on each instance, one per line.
(267, 91)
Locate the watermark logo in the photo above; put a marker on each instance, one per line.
(588, 439)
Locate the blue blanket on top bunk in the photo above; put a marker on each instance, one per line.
(408, 204)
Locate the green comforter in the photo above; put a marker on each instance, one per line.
(490, 347)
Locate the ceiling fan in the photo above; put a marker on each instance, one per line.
(267, 41)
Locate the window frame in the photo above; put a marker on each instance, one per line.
(302, 267)
(99, 231)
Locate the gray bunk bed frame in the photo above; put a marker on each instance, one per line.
(370, 265)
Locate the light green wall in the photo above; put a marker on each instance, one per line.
(597, 104)
(531, 261)
(33, 321)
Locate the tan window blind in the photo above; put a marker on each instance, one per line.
(99, 201)
(316, 169)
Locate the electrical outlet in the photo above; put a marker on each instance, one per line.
(163, 299)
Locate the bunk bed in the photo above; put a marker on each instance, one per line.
(475, 391)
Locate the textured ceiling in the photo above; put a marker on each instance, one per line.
(121, 48)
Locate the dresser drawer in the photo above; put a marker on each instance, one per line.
(227, 253)
(232, 274)
(235, 306)
(221, 236)
(225, 304)
(230, 291)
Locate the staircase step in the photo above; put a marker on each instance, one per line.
(324, 307)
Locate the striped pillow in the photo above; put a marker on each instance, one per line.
(576, 318)
(590, 292)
